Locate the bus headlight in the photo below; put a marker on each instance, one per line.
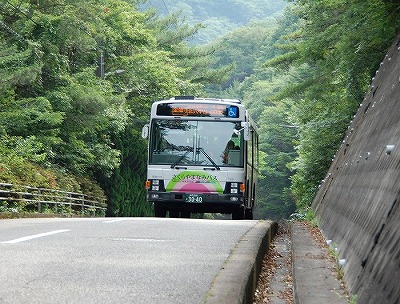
(235, 187)
(155, 185)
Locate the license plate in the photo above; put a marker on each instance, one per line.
(193, 198)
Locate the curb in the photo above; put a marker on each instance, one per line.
(237, 280)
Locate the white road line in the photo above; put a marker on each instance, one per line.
(35, 236)
(114, 221)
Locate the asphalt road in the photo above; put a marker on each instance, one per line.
(113, 260)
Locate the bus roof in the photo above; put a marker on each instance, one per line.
(188, 98)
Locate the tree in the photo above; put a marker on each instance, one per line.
(338, 49)
(259, 85)
(126, 186)
(217, 18)
(56, 108)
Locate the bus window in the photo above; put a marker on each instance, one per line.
(201, 143)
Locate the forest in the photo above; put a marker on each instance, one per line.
(77, 79)
(216, 18)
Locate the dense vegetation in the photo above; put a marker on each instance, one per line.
(217, 17)
(63, 126)
(67, 123)
(305, 82)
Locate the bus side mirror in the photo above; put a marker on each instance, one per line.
(246, 130)
(145, 131)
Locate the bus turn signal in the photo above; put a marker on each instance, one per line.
(147, 184)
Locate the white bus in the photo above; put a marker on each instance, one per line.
(202, 157)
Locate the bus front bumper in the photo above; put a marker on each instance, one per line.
(175, 198)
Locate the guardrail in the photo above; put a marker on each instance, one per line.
(15, 197)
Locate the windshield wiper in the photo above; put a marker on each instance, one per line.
(208, 157)
(188, 149)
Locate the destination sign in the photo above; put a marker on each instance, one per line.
(198, 109)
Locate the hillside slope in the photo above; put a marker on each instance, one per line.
(218, 17)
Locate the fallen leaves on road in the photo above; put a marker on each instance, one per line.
(276, 281)
(275, 284)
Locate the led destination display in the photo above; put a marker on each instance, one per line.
(198, 109)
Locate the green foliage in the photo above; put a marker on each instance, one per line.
(57, 113)
(243, 48)
(196, 62)
(126, 186)
(258, 86)
(15, 169)
(309, 73)
(333, 55)
(17, 66)
(28, 116)
(217, 18)
(276, 144)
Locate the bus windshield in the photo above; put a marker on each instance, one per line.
(197, 143)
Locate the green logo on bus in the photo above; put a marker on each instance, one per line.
(194, 182)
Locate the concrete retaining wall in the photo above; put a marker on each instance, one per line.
(357, 205)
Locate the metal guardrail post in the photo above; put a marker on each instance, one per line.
(83, 206)
(39, 202)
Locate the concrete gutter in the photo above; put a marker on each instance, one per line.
(237, 280)
(314, 273)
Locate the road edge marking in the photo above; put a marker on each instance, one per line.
(35, 236)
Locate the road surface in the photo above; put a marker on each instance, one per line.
(113, 260)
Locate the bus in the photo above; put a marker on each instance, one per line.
(202, 157)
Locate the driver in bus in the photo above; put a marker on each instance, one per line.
(229, 146)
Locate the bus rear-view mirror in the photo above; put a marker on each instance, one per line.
(246, 130)
(145, 131)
